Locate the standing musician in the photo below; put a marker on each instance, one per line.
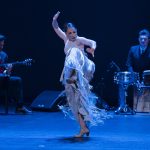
(14, 84)
(138, 60)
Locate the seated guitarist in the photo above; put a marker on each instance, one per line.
(14, 84)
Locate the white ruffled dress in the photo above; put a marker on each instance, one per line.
(78, 67)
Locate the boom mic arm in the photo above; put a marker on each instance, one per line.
(117, 67)
(113, 64)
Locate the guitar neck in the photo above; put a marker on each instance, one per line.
(13, 63)
(26, 62)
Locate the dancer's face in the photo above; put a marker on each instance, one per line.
(71, 34)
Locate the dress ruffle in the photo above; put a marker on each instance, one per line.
(80, 99)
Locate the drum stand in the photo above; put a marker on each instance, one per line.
(126, 108)
(124, 79)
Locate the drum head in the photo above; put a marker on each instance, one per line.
(126, 77)
(146, 72)
(146, 77)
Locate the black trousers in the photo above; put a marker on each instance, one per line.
(14, 87)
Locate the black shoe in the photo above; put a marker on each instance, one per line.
(119, 110)
(23, 110)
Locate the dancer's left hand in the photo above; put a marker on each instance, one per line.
(91, 51)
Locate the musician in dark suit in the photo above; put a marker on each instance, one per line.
(139, 55)
(138, 60)
(12, 83)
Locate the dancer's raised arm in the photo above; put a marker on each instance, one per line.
(55, 25)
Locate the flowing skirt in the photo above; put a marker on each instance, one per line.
(77, 73)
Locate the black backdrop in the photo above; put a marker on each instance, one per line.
(113, 24)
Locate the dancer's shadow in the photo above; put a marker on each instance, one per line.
(73, 139)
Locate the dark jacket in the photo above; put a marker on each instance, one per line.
(3, 59)
(138, 62)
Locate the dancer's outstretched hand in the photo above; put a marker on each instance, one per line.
(56, 16)
(91, 51)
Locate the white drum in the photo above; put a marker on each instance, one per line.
(146, 77)
(126, 78)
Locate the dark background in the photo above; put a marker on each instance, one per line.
(113, 24)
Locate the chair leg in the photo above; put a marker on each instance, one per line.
(6, 103)
(4, 86)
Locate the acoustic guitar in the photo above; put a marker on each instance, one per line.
(5, 69)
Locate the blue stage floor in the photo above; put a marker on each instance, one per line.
(51, 131)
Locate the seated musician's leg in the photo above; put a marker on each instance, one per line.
(15, 90)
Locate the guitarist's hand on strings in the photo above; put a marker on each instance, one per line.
(8, 69)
